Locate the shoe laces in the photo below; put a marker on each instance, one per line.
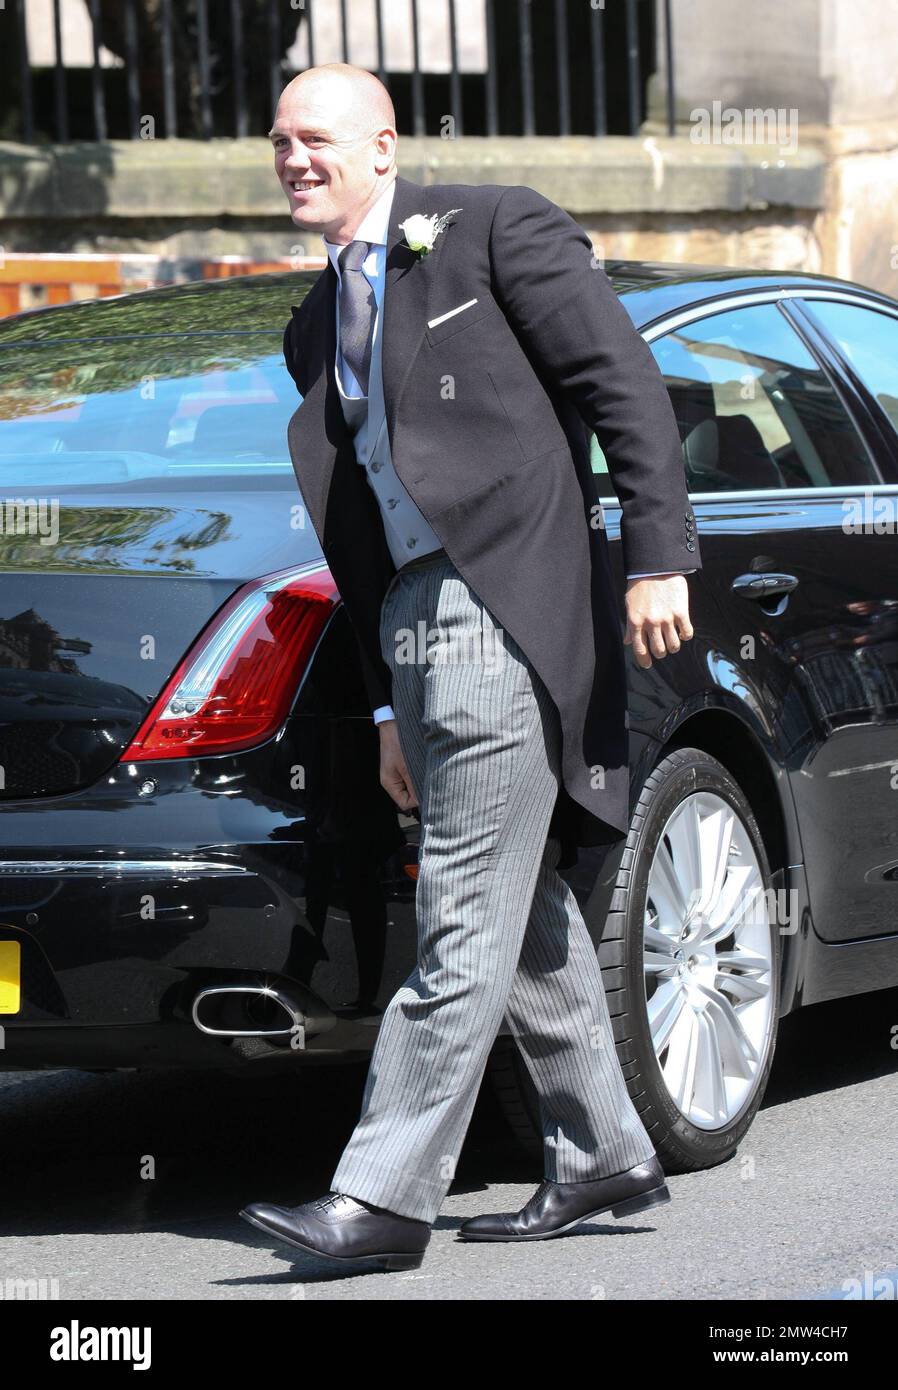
(329, 1201)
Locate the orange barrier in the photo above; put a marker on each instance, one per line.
(219, 267)
(61, 275)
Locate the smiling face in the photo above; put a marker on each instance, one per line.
(334, 148)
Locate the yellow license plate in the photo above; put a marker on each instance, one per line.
(10, 976)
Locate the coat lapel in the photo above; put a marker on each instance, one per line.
(317, 432)
(409, 281)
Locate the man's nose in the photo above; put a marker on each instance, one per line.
(298, 156)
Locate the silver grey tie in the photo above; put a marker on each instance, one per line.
(357, 310)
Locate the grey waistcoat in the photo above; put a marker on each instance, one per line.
(407, 531)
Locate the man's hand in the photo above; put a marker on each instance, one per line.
(657, 616)
(394, 774)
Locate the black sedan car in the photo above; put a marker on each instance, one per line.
(199, 865)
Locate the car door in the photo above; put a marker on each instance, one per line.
(778, 471)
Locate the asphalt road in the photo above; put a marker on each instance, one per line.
(808, 1203)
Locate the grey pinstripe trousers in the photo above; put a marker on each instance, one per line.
(499, 931)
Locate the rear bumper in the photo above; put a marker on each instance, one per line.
(112, 943)
(112, 959)
(171, 877)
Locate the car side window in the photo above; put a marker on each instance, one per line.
(754, 408)
(869, 339)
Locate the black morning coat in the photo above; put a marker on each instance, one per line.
(489, 414)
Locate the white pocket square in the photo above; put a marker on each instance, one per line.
(432, 323)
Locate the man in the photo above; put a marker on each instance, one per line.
(452, 359)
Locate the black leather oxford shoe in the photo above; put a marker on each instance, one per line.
(339, 1228)
(557, 1207)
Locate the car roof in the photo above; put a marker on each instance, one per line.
(261, 303)
(654, 289)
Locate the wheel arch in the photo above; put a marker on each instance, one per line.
(729, 739)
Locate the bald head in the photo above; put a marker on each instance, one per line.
(334, 140)
(361, 98)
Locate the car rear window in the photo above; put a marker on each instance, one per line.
(162, 406)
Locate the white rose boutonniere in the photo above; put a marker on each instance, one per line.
(421, 232)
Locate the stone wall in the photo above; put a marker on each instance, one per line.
(646, 198)
(785, 157)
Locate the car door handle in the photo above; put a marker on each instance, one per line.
(763, 585)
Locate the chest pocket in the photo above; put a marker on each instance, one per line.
(460, 322)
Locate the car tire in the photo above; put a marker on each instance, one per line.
(686, 782)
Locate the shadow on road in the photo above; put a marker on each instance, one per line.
(75, 1145)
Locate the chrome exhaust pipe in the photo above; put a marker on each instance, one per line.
(224, 1007)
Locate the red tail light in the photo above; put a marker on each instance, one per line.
(236, 684)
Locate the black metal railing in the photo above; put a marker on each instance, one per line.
(211, 68)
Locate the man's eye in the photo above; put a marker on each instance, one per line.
(282, 139)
